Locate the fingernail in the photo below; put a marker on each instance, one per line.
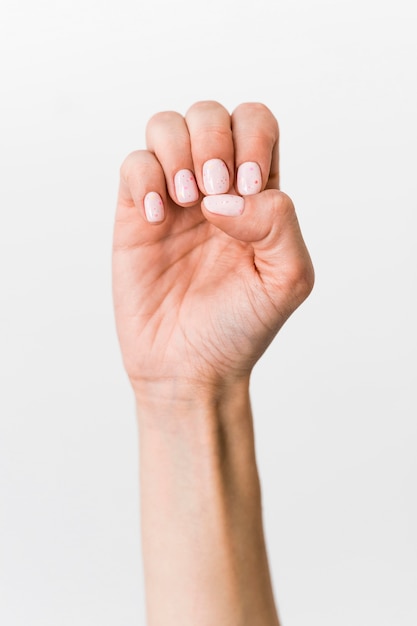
(185, 186)
(215, 176)
(154, 207)
(225, 204)
(249, 178)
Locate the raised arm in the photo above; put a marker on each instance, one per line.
(208, 263)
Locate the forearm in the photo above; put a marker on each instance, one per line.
(204, 554)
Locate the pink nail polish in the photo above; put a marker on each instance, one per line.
(225, 204)
(154, 207)
(185, 186)
(249, 179)
(216, 176)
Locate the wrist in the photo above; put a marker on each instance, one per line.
(167, 399)
(208, 429)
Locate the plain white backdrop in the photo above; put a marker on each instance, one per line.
(334, 396)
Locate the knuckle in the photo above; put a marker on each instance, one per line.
(132, 163)
(258, 112)
(286, 205)
(204, 106)
(253, 107)
(162, 119)
(218, 134)
(299, 280)
(298, 275)
(126, 165)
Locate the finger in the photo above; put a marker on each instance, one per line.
(255, 136)
(167, 136)
(142, 198)
(209, 126)
(268, 222)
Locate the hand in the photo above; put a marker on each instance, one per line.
(201, 282)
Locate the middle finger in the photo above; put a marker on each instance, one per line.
(209, 125)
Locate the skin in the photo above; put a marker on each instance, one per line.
(198, 297)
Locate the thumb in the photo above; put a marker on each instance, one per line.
(268, 222)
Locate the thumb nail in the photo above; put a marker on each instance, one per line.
(225, 204)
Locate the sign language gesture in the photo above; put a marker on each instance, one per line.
(208, 263)
(208, 258)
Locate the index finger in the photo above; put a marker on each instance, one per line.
(255, 136)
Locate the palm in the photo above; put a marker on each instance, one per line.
(188, 298)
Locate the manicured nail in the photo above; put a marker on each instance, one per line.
(225, 204)
(215, 176)
(249, 179)
(185, 186)
(154, 207)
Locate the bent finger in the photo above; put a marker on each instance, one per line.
(168, 138)
(255, 136)
(142, 200)
(212, 150)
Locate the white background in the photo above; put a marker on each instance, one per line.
(333, 397)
